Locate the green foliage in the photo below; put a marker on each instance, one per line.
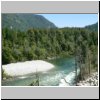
(41, 43)
(7, 55)
(31, 37)
(93, 27)
(86, 53)
(4, 75)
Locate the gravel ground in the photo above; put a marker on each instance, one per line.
(92, 80)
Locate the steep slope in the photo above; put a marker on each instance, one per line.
(25, 21)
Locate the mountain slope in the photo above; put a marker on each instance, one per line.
(93, 27)
(25, 21)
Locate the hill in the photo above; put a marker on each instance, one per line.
(23, 22)
(93, 27)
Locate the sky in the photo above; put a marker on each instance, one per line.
(71, 20)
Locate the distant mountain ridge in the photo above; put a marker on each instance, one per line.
(24, 22)
(93, 27)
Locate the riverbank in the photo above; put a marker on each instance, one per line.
(23, 68)
(62, 67)
(91, 80)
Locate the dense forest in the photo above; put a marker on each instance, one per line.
(39, 43)
(93, 27)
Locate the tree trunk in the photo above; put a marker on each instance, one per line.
(37, 78)
(76, 71)
(75, 62)
(89, 62)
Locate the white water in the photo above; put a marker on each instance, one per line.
(66, 81)
(63, 68)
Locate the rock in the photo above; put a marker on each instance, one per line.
(90, 81)
(4, 78)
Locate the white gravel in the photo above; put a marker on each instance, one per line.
(22, 68)
(90, 81)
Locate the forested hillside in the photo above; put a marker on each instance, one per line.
(93, 27)
(23, 22)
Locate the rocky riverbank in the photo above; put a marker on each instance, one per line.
(92, 80)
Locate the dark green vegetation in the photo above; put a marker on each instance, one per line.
(23, 22)
(93, 27)
(41, 44)
(24, 40)
(86, 53)
(5, 75)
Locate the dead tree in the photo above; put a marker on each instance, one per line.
(76, 61)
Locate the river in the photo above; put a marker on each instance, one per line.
(63, 67)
